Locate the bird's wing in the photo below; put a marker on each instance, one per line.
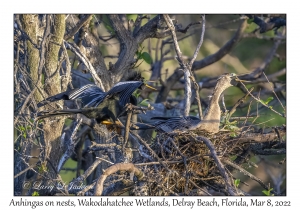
(169, 124)
(91, 95)
(124, 90)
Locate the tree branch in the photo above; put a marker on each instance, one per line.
(113, 169)
(128, 48)
(76, 28)
(197, 65)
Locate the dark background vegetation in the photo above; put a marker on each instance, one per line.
(43, 68)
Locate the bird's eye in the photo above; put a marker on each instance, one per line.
(232, 74)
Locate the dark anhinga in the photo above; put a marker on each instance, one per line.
(209, 123)
(100, 105)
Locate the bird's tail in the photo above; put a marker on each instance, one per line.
(160, 118)
(142, 126)
(57, 97)
(45, 114)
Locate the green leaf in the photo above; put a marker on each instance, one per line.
(268, 100)
(233, 135)
(261, 101)
(35, 193)
(233, 127)
(249, 21)
(147, 57)
(42, 168)
(136, 93)
(144, 102)
(232, 158)
(267, 192)
(132, 17)
(107, 25)
(138, 54)
(237, 182)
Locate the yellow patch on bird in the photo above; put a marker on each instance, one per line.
(148, 86)
(105, 122)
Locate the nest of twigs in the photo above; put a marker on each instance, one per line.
(187, 163)
(187, 166)
(190, 164)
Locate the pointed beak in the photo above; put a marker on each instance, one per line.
(148, 86)
(236, 80)
(105, 122)
(240, 80)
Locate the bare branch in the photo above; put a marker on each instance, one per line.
(128, 47)
(70, 149)
(88, 172)
(76, 28)
(113, 169)
(197, 65)
(199, 44)
(251, 176)
(184, 66)
(86, 62)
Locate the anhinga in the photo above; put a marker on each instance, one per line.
(97, 104)
(209, 123)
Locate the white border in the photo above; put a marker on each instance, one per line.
(150, 7)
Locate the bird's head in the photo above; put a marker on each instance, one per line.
(228, 80)
(235, 80)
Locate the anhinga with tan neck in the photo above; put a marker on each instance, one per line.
(211, 120)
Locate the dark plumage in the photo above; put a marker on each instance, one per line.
(97, 104)
(89, 95)
(169, 124)
(209, 123)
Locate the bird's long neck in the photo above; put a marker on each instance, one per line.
(213, 109)
(211, 119)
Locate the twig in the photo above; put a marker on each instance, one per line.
(183, 65)
(127, 126)
(97, 147)
(151, 150)
(70, 149)
(157, 163)
(240, 101)
(25, 170)
(193, 183)
(265, 105)
(218, 162)
(172, 28)
(87, 188)
(82, 177)
(86, 62)
(199, 44)
(273, 90)
(251, 176)
(105, 160)
(197, 89)
(113, 169)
